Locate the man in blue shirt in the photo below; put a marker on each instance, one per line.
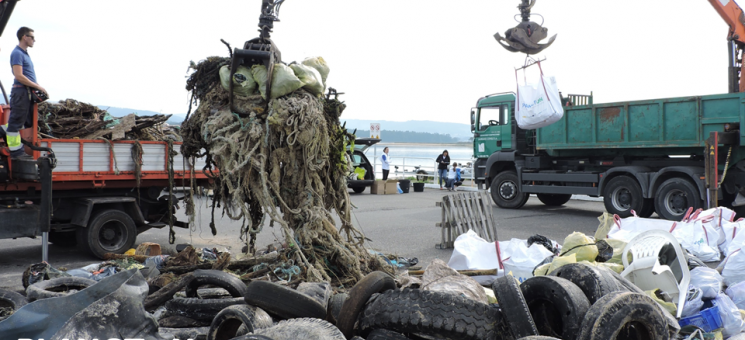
(21, 105)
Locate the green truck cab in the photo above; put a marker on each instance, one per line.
(640, 156)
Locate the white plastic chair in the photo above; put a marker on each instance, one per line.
(647, 273)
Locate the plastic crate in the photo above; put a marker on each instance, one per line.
(707, 319)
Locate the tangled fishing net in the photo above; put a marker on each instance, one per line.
(283, 160)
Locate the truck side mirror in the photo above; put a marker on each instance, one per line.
(473, 127)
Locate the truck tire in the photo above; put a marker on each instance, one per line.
(623, 315)
(434, 313)
(674, 197)
(109, 231)
(647, 208)
(505, 191)
(621, 195)
(554, 200)
(63, 239)
(514, 308)
(358, 190)
(557, 305)
(359, 295)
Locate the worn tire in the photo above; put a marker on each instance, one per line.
(304, 328)
(433, 313)
(166, 293)
(201, 309)
(554, 200)
(505, 191)
(178, 321)
(56, 287)
(375, 282)
(538, 337)
(184, 333)
(334, 307)
(108, 231)
(557, 305)
(319, 291)
(623, 283)
(593, 282)
(63, 239)
(674, 197)
(384, 334)
(282, 301)
(11, 299)
(514, 307)
(217, 278)
(225, 325)
(624, 315)
(621, 195)
(252, 337)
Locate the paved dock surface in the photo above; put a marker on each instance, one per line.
(401, 224)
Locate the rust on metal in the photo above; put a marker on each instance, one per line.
(608, 115)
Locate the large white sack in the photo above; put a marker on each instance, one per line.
(538, 104)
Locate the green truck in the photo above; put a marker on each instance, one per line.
(647, 156)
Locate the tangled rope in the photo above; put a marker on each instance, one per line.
(285, 162)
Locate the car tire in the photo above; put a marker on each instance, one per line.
(201, 309)
(358, 190)
(621, 195)
(384, 334)
(674, 197)
(282, 301)
(167, 292)
(225, 325)
(334, 307)
(375, 282)
(56, 287)
(593, 282)
(217, 278)
(505, 191)
(109, 231)
(12, 300)
(636, 315)
(554, 200)
(433, 313)
(303, 328)
(178, 321)
(514, 307)
(558, 306)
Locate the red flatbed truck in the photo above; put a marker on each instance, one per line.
(86, 192)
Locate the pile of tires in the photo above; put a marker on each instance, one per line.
(582, 302)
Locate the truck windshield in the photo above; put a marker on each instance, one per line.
(491, 116)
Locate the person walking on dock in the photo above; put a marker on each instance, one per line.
(443, 160)
(386, 163)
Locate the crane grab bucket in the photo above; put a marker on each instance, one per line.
(526, 36)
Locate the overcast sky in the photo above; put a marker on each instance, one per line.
(395, 60)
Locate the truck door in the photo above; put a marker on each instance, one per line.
(492, 131)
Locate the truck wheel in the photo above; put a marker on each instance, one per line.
(109, 231)
(674, 197)
(554, 200)
(622, 195)
(505, 191)
(358, 190)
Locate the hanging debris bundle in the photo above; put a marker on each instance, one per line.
(283, 158)
(70, 119)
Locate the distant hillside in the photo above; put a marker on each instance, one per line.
(461, 132)
(409, 137)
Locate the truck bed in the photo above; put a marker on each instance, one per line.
(654, 127)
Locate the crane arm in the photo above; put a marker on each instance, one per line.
(733, 15)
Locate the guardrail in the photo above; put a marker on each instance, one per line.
(422, 168)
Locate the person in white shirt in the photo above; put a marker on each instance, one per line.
(453, 177)
(386, 163)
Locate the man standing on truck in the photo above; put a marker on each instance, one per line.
(21, 104)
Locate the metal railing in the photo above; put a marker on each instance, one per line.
(420, 167)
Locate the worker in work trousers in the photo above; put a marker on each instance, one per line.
(21, 105)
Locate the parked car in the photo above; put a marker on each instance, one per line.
(359, 160)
